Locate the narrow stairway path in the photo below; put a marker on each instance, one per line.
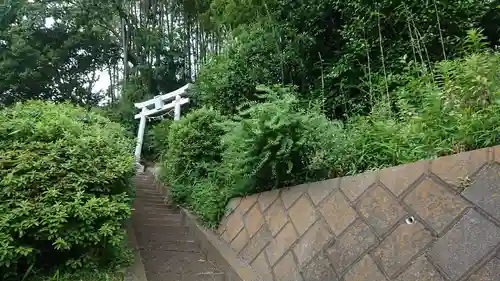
(168, 250)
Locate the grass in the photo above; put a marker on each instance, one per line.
(84, 275)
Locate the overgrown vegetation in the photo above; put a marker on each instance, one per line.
(282, 141)
(65, 190)
(277, 143)
(193, 151)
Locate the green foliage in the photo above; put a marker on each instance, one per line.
(256, 56)
(457, 111)
(65, 188)
(56, 62)
(209, 197)
(278, 143)
(193, 150)
(343, 52)
(156, 139)
(271, 144)
(101, 274)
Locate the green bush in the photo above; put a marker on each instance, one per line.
(229, 80)
(457, 110)
(193, 150)
(156, 139)
(278, 143)
(65, 188)
(209, 197)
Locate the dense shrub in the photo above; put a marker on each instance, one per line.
(277, 143)
(64, 188)
(254, 58)
(156, 139)
(193, 150)
(457, 110)
(209, 197)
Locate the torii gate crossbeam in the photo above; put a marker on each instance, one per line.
(156, 105)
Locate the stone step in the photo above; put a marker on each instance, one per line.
(159, 222)
(145, 203)
(160, 199)
(174, 245)
(144, 184)
(157, 212)
(155, 207)
(152, 241)
(182, 266)
(164, 215)
(163, 230)
(147, 187)
(169, 250)
(149, 195)
(151, 202)
(158, 218)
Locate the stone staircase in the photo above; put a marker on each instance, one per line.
(168, 248)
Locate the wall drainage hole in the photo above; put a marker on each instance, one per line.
(410, 220)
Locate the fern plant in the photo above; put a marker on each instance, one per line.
(277, 143)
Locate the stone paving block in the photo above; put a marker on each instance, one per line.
(225, 237)
(286, 269)
(421, 270)
(267, 198)
(276, 217)
(489, 272)
(253, 220)
(354, 242)
(222, 225)
(435, 204)
(380, 209)
(401, 246)
(312, 242)
(319, 269)
(337, 212)
(291, 194)
(302, 214)
(256, 244)
(319, 190)
(232, 205)
(466, 244)
(485, 190)
(398, 179)
(281, 243)
(496, 153)
(454, 169)
(234, 225)
(354, 186)
(262, 267)
(365, 270)
(246, 203)
(240, 241)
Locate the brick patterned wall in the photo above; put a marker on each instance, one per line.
(435, 220)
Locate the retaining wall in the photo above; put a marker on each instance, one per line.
(435, 220)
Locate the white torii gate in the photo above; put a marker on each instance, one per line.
(156, 105)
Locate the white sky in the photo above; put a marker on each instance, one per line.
(103, 81)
